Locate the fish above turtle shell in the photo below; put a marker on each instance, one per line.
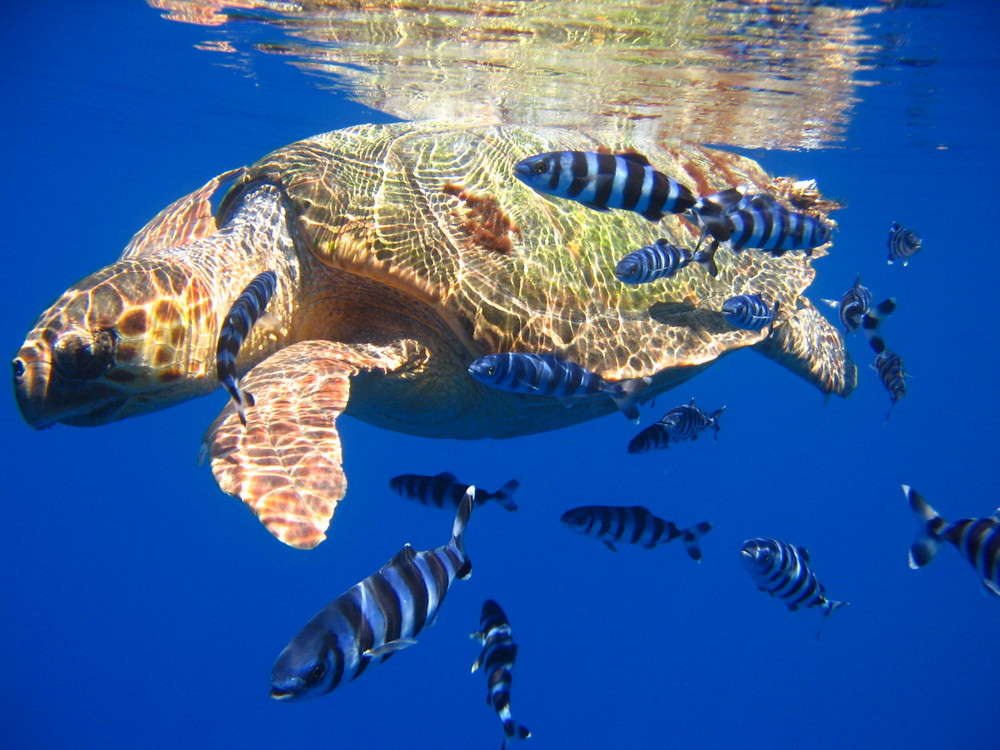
(402, 253)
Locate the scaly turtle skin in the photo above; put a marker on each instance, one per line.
(402, 253)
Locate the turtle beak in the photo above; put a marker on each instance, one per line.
(44, 398)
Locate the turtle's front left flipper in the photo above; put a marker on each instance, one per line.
(286, 463)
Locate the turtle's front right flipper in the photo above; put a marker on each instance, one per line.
(286, 463)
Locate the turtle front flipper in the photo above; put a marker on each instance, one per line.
(186, 219)
(807, 344)
(286, 463)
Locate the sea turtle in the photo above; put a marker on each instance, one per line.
(402, 252)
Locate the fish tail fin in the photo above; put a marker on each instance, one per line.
(691, 536)
(706, 258)
(829, 608)
(626, 394)
(514, 731)
(927, 540)
(241, 399)
(458, 531)
(503, 495)
(714, 416)
(871, 320)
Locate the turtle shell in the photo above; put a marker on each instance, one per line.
(434, 211)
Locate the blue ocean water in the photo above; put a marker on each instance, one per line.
(142, 608)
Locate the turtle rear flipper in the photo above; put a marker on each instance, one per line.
(286, 463)
(807, 344)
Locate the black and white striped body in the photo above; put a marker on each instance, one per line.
(445, 491)
(497, 659)
(889, 367)
(373, 619)
(976, 539)
(749, 312)
(657, 261)
(902, 243)
(632, 525)
(683, 422)
(853, 306)
(783, 572)
(246, 310)
(549, 375)
(602, 181)
(767, 225)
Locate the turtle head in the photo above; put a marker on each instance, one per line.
(121, 342)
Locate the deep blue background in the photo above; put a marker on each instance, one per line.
(141, 607)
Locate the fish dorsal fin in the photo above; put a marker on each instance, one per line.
(764, 200)
(404, 557)
(641, 509)
(803, 553)
(995, 515)
(447, 475)
(635, 156)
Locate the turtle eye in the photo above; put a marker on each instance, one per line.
(540, 167)
(316, 673)
(18, 365)
(83, 356)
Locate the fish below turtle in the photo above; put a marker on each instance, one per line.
(402, 253)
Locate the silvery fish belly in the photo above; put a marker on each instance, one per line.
(373, 619)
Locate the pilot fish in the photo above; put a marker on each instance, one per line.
(632, 525)
(444, 490)
(976, 539)
(549, 375)
(783, 571)
(683, 422)
(241, 317)
(853, 306)
(757, 221)
(902, 243)
(657, 261)
(497, 657)
(749, 312)
(603, 181)
(374, 618)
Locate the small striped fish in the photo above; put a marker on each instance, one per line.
(374, 618)
(632, 525)
(657, 261)
(549, 375)
(683, 422)
(783, 571)
(497, 657)
(749, 312)
(976, 539)
(902, 243)
(853, 306)
(757, 221)
(241, 317)
(444, 490)
(602, 181)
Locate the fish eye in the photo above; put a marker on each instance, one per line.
(316, 673)
(540, 167)
(491, 371)
(765, 555)
(81, 356)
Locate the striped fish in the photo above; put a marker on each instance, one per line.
(783, 571)
(632, 525)
(683, 422)
(976, 539)
(549, 375)
(757, 221)
(497, 657)
(374, 618)
(603, 181)
(749, 312)
(853, 306)
(241, 317)
(444, 490)
(902, 243)
(657, 261)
